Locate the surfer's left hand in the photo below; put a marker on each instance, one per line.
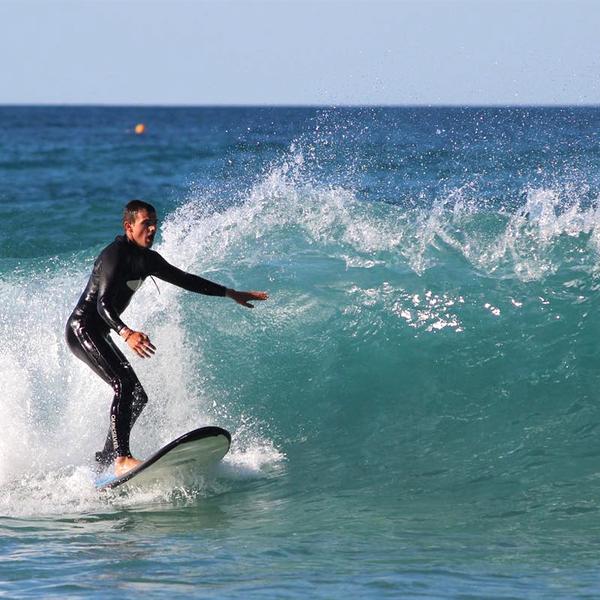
(140, 343)
(244, 298)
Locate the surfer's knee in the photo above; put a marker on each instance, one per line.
(129, 389)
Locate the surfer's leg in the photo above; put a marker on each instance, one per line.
(128, 393)
(107, 454)
(99, 352)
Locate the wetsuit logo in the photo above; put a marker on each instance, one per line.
(135, 284)
(113, 431)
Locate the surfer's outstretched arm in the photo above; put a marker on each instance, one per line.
(193, 283)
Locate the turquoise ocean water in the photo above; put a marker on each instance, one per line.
(415, 411)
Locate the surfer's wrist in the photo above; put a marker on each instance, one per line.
(126, 333)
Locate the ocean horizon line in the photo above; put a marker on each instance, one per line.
(299, 105)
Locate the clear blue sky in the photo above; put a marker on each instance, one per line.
(300, 51)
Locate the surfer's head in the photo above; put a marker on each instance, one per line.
(139, 222)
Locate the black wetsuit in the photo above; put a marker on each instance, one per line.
(118, 272)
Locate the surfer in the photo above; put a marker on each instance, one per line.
(118, 272)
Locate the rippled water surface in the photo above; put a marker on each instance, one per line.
(415, 409)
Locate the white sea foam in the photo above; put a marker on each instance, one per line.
(55, 410)
(287, 206)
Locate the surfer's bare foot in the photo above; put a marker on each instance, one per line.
(124, 464)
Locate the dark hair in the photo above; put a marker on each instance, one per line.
(133, 207)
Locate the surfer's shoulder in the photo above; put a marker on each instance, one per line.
(114, 252)
(153, 257)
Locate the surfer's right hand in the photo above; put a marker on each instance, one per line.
(244, 298)
(140, 343)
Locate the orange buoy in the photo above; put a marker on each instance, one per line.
(140, 128)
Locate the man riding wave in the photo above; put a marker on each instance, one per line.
(118, 272)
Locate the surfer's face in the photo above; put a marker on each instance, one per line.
(143, 229)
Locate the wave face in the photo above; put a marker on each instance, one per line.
(426, 364)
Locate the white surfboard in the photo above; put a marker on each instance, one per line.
(180, 461)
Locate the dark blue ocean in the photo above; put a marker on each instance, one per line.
(415, 411)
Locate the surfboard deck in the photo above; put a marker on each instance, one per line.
(179, 461)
